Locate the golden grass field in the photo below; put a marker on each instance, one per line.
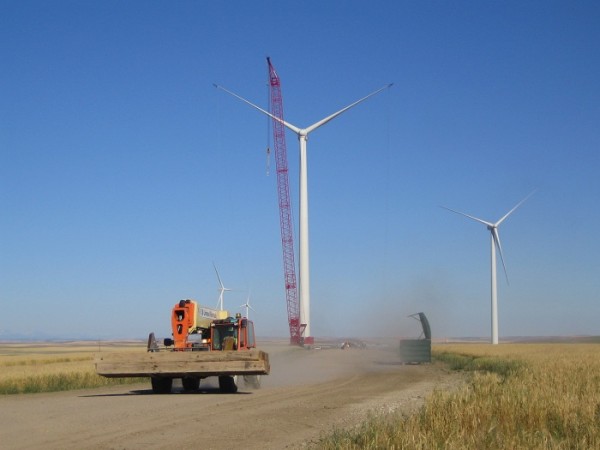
(47, 367)
(519, 396)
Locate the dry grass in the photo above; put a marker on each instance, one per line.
(43, 367)
(520, 396)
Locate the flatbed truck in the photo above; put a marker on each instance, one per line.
(205, 343)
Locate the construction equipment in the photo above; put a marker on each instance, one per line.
(416, 351)
(206, 342)
(285, 210)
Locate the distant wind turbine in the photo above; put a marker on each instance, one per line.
(303, 258)
(495, 243)
(247, 306)
(222, 289)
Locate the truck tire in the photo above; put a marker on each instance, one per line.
(190, 383)
(252, 381)
(227, 384)
(161, 385)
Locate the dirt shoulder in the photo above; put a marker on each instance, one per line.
(308, 393)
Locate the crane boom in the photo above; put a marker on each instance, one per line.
(285, 208)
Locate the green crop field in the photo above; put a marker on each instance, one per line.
(519, 396)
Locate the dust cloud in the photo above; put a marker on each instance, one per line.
(296, 366)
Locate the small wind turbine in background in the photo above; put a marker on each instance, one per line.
(495, 243)
(247, 306)
(222, 289)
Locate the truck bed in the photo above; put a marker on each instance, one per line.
(182, 364)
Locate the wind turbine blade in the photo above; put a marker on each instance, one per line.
(512, 210)
(218, 277)
(334, 115)
(496, 237)
(470, 217)
(288, 125)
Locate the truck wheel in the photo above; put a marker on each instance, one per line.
(253, 381)
(190, 383)
(161, 385)
(227, 384)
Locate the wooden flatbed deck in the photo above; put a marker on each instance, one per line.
(182, 364)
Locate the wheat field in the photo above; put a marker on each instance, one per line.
(519, 396)
(34, 367)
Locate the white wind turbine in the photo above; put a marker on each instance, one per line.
(247, 306)
(222, 289)
(303, 258)
(495, 243)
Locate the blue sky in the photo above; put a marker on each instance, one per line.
(124, 173)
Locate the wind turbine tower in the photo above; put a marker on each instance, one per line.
(494, 243)
(303, 259)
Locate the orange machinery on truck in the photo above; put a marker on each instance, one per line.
(206, 342)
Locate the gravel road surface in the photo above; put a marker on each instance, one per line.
(308, 393)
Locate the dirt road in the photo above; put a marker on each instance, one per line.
(307, 394)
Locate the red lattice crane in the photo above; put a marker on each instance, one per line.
(285, 209)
